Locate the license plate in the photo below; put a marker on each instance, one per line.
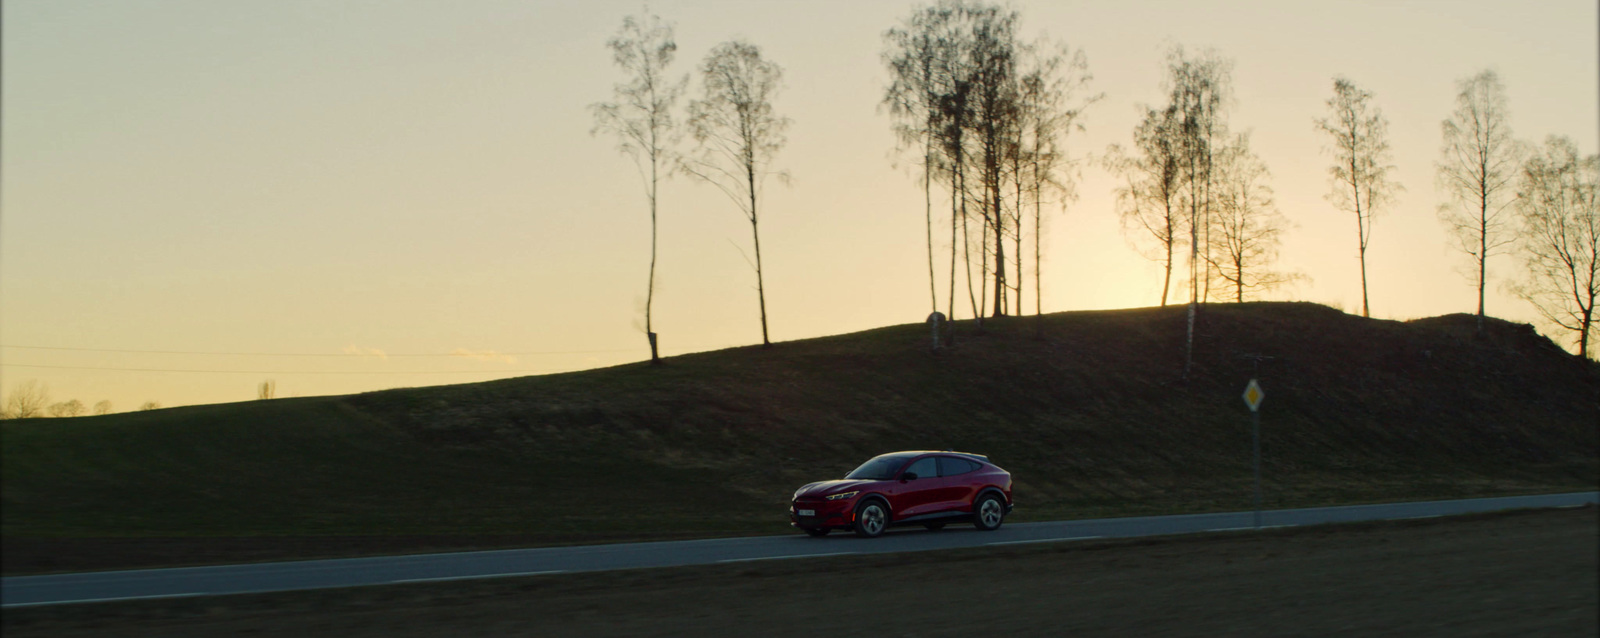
(806, 512)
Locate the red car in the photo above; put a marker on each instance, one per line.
(906, 488)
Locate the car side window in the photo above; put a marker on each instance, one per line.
(925, 468)
(951, 466)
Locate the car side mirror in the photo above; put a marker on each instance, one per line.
(908, 476)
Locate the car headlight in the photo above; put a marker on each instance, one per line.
(841, 496)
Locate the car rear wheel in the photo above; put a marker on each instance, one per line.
(818, 532)
(871, 519)
(934, 527)
(989, 513)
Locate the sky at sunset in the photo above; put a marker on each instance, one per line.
(350, 195)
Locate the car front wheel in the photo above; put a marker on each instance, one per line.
(989, 513)
(871, 519)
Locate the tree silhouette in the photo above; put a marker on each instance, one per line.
(27, 400)
(1247, 227)
(1479, 164)
(102, 406)
(738, 134)
(953, 117)
(984, 106)
(1199, 91)
(1150, 203)
(954, 113)
(1558, 205)
(1050, 105)
(68, 408)
(1360, 172)
(914, 55)
(641, 118)
(993, 71)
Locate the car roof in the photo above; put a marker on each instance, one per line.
(975, 457)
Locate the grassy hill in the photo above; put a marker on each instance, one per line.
(1086, 409)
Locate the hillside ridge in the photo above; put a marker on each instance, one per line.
(1087, 409)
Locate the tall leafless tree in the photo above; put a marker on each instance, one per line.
(102, 406)
(1150, 202)
(993, 47)
(1200, 88)
(1052, 97)
(1360, 171)
(915, 54)
(987, 112)
(641, 118)
(954, 113)
(1558, 205)
(930, 96)
(1477, 171)
(1247, 227)
(738, 134)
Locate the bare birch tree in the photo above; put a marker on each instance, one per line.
(738, 134)
(994, 71)
(1150, 201)
(954, 112)
(1477, 171)
(641, 118)
(915, 55)
(1360, 171)
(1558, 205)
(1247, 227)
(1053, 99)
(982, 105)
(1199, 91)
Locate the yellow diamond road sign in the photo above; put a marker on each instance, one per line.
(1253, 395)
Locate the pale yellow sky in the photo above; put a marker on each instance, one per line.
(331, 180)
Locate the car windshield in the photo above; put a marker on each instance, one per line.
(880, 468)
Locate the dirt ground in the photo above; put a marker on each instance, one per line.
(1517, 574)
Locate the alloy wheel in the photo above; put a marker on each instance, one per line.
(991, 513)
(872, 520)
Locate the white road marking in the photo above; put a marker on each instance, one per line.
(447, 578)
(1246, 529)
(747, 560)
(107, 600)
(1045, 540)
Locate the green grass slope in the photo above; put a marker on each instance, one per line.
(1087, 410)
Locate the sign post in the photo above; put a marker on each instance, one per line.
(1252, 398)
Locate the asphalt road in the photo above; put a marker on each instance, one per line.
(351, 572)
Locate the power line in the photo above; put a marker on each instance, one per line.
(22, 365)
(465, 354)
